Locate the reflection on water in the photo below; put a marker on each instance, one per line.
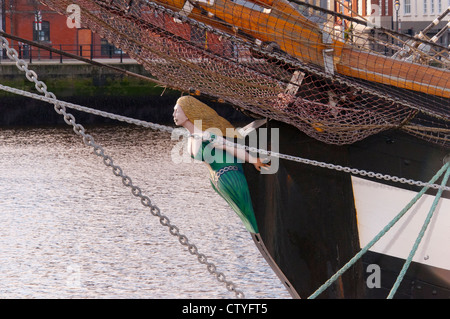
(70, 229)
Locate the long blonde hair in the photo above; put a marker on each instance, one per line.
(197, 111)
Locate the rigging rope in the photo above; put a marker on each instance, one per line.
(169, 129)
(420, 236)
(352, 261)
(117, 170)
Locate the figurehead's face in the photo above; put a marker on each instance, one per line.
(201, 116)
(178, 115)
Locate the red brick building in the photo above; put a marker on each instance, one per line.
(31, 20)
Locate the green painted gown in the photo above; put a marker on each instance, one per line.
(228, 180)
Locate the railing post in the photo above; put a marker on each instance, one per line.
(60, 56)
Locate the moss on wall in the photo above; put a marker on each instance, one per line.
(98, 88)
(82, 80)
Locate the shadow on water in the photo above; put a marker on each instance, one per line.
(20, 111)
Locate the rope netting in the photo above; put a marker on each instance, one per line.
(335, 77)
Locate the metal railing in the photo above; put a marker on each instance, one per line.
(88, 51)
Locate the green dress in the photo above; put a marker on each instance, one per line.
(228, 180)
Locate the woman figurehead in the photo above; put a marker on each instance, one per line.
(197, 116)
(227, 176)
(202, 117)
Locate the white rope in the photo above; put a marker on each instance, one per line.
(169, 129)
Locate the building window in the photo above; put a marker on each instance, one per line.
(360, 8)
(432, 7)
(408, 6)
(439, 6)
(41, 31)
(424, 6)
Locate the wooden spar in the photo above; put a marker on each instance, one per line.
(303, 40)
(275, 26)
(402, 74)
(196, 13)
(285, 9)
(277, 21)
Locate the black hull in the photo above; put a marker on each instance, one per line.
(420, 282)
(308, 220)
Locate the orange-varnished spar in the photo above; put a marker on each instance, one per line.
(277, 21)
(402, 74)
(283, 25)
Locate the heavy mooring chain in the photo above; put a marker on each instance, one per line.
(117, 170)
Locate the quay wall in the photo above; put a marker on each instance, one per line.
(91, 86)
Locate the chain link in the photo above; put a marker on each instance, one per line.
(88, 140)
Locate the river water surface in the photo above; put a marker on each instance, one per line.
(70, 229)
